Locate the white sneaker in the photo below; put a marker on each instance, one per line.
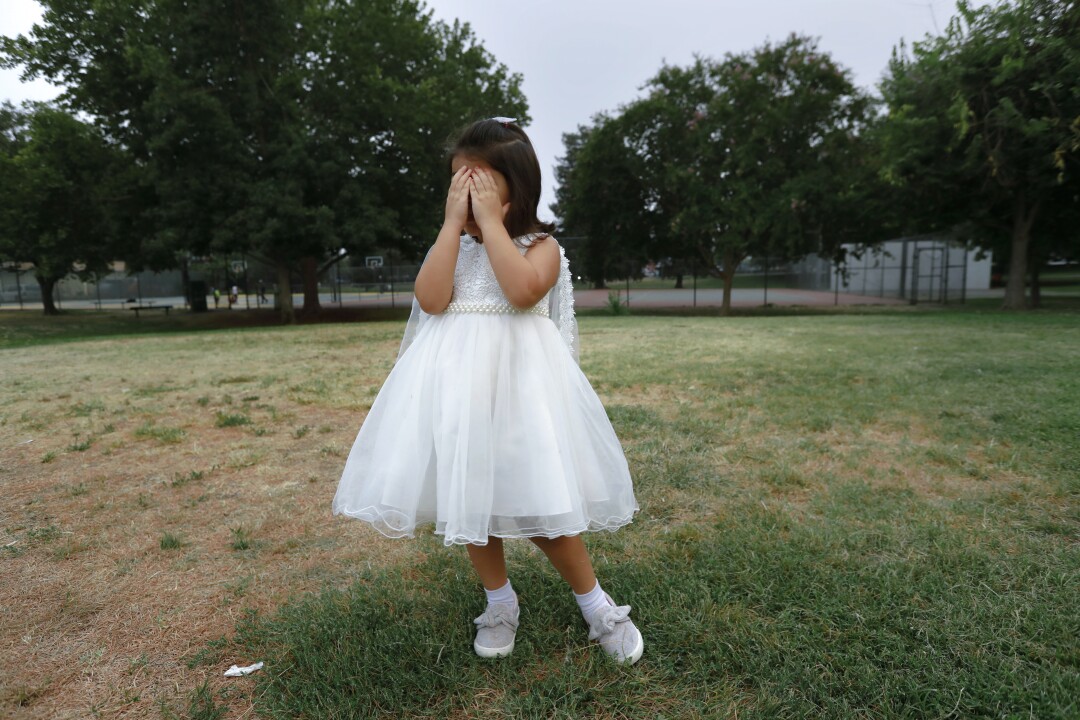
(619, 637)
(496, 629)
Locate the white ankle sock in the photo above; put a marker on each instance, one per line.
(591, 601)
(505, 594)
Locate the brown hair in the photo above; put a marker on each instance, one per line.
(506, 148)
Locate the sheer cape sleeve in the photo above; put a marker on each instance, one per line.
(417, 319)
(560, 299)
(562, 306)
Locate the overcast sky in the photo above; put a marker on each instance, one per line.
(580, 57)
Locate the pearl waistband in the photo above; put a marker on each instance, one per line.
(467, 307)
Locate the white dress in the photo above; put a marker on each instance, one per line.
(486, 425)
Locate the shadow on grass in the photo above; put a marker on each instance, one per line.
(24, 328)
(1050, 305)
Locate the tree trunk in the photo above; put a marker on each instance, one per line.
(47, 285)
(678, 281)
(185, 282)
(1021, 239)
(730, 263)
(309, 271)
(284, 293)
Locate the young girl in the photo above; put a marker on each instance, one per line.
(486, 425)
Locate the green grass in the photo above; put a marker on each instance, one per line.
(167, 435)
(844, 516)
(241, 538)
(831, 618)
(169, 541)
(180, 480)
(201, 706)
(743, 281)
(24, 328)
(231, 419)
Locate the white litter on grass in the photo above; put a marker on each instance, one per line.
(235, 671)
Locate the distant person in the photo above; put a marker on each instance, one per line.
(217, 298)
(262, 293)
(234, 296)
(490, 347)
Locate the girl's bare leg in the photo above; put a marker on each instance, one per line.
(570, 558)
(490, 563)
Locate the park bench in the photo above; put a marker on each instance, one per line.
(137, 308)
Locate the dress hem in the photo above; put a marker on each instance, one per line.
(374, 518)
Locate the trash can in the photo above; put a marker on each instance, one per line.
(197, 295)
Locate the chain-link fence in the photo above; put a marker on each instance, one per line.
(916, 269)
(19, 288)
(241, 283)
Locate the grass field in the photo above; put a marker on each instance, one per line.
(842, 515)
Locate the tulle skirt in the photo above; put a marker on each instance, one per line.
(487, 426)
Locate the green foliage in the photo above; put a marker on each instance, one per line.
(615, 304)
(981, 132)
(288, 129)
(761, 153)
(57, 178)
(603, 196)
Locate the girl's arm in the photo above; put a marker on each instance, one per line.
(435, 281)
(524, 279)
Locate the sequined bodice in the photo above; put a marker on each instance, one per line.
(475, 286)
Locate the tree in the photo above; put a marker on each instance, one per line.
(982, 128)
(602, 196)
(288, 129)
(57, 177)
(763, 153)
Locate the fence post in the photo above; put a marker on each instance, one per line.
(915, 276)
(963, 282)
(695, 281)
(903, 269)
(947, 252)
(881, 287)
(765, 303)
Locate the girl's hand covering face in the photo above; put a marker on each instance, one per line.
(487, 205)
(457, 199)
